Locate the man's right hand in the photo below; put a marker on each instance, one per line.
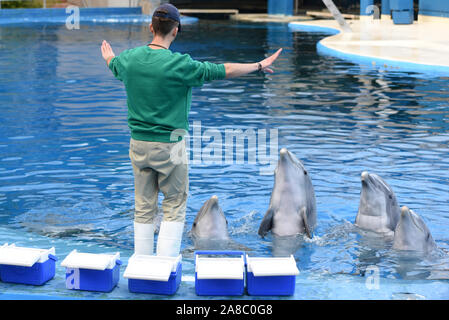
(239, 69)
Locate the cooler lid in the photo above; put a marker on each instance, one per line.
(94, 261)
(22, 256)
(219, 268)
(272, 266)
(147, 267)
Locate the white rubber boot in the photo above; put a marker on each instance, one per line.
(169, 239)
(144, 238)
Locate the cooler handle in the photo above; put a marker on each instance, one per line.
(52, 257)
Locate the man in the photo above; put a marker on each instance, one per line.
(159, 85)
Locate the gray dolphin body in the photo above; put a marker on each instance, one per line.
(378, 209)
(292, 207)
(210, 222)
(411, 233)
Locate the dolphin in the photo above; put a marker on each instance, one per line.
(292, 207)
(210, 229)
(411, 233)
(378, 209)
(210, 222)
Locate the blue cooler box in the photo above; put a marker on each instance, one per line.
(26, 265)
(91, 272)
(271, 276)
(153, 274)
(402, 11)
(403, 17)
(219, 276)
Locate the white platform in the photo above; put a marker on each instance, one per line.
(421, 45)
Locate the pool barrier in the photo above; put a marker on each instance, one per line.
(63, 16)
(217, 273)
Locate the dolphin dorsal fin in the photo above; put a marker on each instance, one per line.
(303, 214)
(267, 223)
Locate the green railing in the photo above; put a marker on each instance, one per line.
(24, 3)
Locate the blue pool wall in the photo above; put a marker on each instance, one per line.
(364, 4)
(284, 7)
(86, 15)
(435, 8)
(58, 12)
(385, 4)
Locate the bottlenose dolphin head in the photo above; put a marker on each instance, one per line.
(292, 205)
(411, 233)
(378, 209)
(289, 165)
(210, 222)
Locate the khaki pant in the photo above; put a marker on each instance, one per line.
(159, 166)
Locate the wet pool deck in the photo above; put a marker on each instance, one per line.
(421, 46)
(268, 18)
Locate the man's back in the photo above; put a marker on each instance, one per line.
(159, 85)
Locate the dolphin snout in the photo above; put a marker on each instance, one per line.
(365, 175)
(213, 201)
(283, 152)
(404, 211)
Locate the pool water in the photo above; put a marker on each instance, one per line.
(66, 179)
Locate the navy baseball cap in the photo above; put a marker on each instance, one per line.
(169, 11)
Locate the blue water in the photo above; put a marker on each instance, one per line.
(66, 179)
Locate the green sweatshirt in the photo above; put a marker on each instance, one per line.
(159, 89)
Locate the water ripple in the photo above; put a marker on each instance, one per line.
(65, 176)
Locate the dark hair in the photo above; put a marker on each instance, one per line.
(163, 26)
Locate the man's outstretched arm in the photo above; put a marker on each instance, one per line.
(239, 69)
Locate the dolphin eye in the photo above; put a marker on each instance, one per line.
(390, 196)
(194, 224)
(305, 172)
